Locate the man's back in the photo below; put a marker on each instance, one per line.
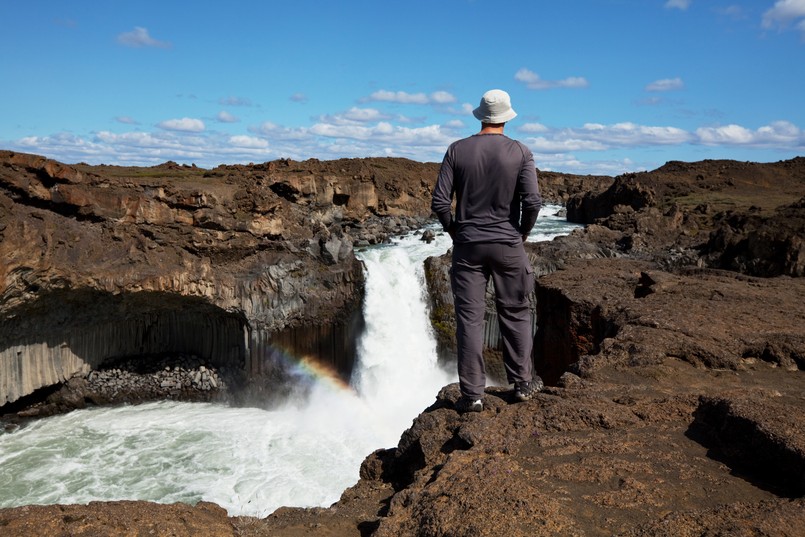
(493, 177)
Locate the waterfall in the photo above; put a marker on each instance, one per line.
(398, 369)
(249, 460)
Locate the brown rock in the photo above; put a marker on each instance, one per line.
(680, 415)
(113, 519)
(104, 262)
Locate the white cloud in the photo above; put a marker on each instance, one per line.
(728, 134)
(442, 97)
(532, 127)
(533, 81)
(354, 115)
(250, 142)
(678, 4)
(569, 163)
(386, 133)
(363, 114)
(276, 132)
(666, 84)
(142, 142)
(185, 124)
(406, 119)
(225, 117)
(369, 134)
(299, 97)
(398, 97)
(139, 37)
(599, 137)
(778, 133)
(784, 13)
(563, 144)
(781, 132)
(402, 97)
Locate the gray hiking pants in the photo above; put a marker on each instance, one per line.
(513, 279)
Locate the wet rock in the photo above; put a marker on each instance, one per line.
(428, 236)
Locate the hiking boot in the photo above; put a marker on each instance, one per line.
(468, 404)
(525, 390)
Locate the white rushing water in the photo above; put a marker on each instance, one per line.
(252, 461)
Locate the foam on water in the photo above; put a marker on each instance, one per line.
(252, 461)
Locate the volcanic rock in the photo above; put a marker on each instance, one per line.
(675, 387)
(106, 262)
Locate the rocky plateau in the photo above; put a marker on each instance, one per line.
(670, 333)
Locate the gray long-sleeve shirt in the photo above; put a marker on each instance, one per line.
(494, 181)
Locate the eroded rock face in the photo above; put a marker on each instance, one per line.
(675, 401)
(103, 262)
(637, 315)
(625, 191)
(760, 245)
(558, 188)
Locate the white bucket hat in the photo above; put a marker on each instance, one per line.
(495, 107)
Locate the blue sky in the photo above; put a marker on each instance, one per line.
(606, 86)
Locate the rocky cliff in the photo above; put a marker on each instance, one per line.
(102, 263)
(670, 334)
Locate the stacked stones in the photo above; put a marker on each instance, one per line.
(182, 378)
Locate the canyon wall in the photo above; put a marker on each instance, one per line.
(234, 264)
(104, 262)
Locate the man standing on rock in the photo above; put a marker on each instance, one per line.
(494, 181)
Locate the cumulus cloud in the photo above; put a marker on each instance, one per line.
(532, 127)
(139, 37)
(276, 132)
(626, 135)
(533, 81)
(398, 97)
(666, 84)
(353, 116)
(385, 133)
(363, 132)
(442, 97)
(185, 124)
(599, 137)
(569, 163)
(677, 4)
(777, 133)
(250, 142)
(403, 97)
(299, 98)
(785, 13)
(225, 117)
